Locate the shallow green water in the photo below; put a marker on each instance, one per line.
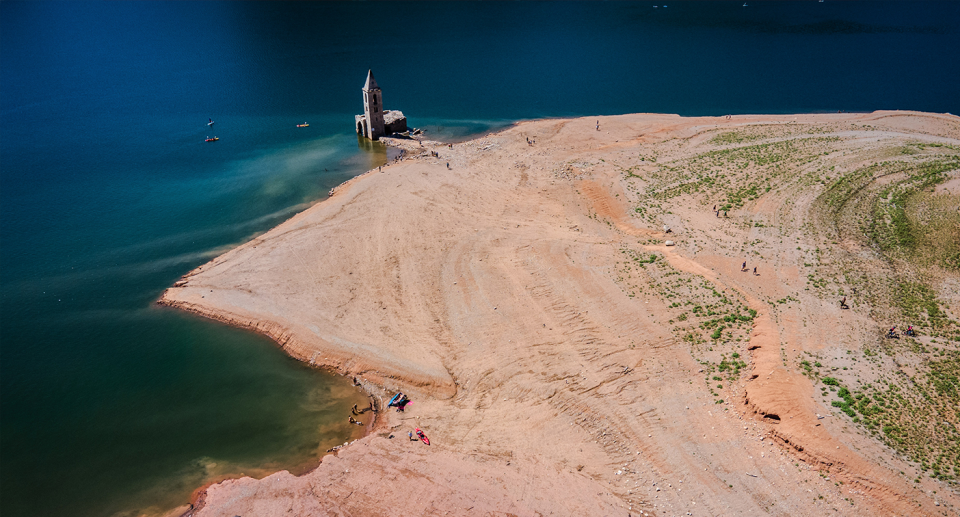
(203, 402)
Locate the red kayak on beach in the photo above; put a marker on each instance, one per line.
(423, 437)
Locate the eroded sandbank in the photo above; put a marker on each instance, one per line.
(548, 368)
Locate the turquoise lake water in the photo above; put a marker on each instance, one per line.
(108, 193)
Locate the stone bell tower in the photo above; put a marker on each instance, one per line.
(377, 122)
(372, 108)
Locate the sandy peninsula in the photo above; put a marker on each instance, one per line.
(562, 357)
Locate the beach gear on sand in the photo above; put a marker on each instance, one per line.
(423, 437)
(395, 399)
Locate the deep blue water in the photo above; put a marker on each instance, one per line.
(108, 193)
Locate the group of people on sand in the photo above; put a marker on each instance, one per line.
(743, 267)
(892, 333)
(400, 401)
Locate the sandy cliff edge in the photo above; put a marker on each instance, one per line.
(547, 367)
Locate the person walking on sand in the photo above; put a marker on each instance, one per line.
(754, 270)
(744, 266)
(598, 125)
(843, 303)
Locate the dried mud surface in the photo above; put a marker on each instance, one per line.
(550, 379)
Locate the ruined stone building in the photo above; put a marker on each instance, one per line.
(375, 121)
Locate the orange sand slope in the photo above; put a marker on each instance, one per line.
(548, 368)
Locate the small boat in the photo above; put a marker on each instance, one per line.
(210, 123)
(396, 398)
(423, 437)
(303, 125)
(214, 139)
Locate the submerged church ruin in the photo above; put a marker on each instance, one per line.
(375, 121)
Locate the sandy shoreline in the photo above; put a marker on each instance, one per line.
(509, 295)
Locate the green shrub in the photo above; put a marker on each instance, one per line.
(717, 333)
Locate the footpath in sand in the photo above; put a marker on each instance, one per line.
(561, 357)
